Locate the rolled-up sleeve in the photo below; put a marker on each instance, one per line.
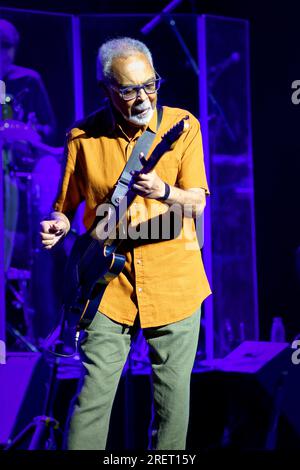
(191, 170)
(69, 195)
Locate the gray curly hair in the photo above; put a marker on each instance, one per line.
(119, 47)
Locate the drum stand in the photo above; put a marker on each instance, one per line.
(41, 430)
(20, 301)
(22, 276)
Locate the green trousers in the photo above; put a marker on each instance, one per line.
(172, 350)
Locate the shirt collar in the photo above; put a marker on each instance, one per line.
(153, 122)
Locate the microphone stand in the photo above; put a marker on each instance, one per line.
(172, 23)
(169, 19)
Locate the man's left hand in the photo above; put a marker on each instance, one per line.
(148, 185)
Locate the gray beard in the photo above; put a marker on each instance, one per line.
(137, 120)
(141, 120)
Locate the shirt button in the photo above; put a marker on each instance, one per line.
(140, 289)
(138, 261)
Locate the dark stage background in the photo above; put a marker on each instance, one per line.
(274, 39)
(275, 34)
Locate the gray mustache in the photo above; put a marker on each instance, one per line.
(141, 107)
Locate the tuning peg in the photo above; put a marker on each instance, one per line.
(186, 123)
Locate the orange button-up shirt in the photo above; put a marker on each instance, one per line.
(163, 280)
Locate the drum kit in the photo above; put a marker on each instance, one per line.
(31, 171)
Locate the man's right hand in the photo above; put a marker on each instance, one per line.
(52, 231)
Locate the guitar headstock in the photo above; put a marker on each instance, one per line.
(166, 143)
(172, 135)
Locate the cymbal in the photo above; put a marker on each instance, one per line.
(16, 131)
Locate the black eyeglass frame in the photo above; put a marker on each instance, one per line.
(136, 88)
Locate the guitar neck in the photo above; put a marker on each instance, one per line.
(120, 212)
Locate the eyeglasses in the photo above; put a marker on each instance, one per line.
(131, 92)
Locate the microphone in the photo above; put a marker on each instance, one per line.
(232, 59)
(157, 19)
(216, 70)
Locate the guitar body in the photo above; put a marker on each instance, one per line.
(91, 266)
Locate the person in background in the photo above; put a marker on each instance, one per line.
(28, 100)
(27, 123)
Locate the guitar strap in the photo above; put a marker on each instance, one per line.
(134, 162)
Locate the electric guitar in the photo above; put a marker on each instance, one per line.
(93, 260)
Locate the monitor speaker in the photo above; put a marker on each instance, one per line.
(23, 386)
(247, 400)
